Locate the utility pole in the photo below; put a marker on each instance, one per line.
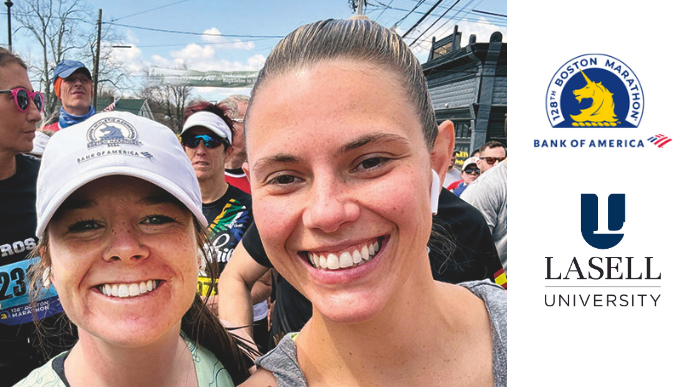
(97, 59)
(359, 7)
(8, 3)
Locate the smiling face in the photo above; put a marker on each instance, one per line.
(123, 255)
(76, 93)
(17, 128)
(340, 185)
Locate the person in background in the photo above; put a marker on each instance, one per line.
(489, 194)
(237, 106)
(20, 111)
(490, 154)
(206, 138)
(261, 290)
(452, 172)
(469, 173)
(121, 235)
(72, 84)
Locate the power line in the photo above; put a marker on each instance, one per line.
(436, 20)
(152, 9)
(421, 19)
(196, 33)
(385, 8)
(492, 19)
(440, 7)
(456, 15)
(200, 43)
(409, 12)
(489, 13)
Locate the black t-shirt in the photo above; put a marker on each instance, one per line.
(473, 257)
(229, 217)
(18, 355)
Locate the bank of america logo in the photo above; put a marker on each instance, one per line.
(659, 140)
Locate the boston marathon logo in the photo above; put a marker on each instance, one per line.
(113, 132)
(106, 137)
(596, 91)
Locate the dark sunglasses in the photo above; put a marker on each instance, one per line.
(492, 160)
(23, 96)
(472, 170)
(209, 141)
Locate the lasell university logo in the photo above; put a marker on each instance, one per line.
(594, 230)
(594, 90)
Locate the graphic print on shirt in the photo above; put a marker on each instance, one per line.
(228, 228)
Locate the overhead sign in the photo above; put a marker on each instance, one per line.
(204, 78)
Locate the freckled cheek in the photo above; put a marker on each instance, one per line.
(403, 205)
(276, 219)
(68, 269)
(186, 260)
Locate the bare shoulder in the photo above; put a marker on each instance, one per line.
(261, 378)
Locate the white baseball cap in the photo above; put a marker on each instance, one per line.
(114, 143)
(210, 121)
(40, 141)
(469, 161)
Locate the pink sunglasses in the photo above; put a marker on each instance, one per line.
(22, 97)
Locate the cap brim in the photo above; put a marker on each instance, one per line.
(68, 72)
(73, 185)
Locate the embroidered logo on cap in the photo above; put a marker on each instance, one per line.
(113, 132)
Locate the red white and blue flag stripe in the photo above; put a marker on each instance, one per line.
(659, 140)
(112, 105)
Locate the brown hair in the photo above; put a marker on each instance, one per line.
(7, 56)
(490, 145)
(356, 39)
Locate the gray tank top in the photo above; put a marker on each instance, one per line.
(282, 360)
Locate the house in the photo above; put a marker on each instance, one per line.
(468, 85)
(132, 105)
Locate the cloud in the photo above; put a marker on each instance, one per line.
(215, 53)
(213, 36)
(131, 57)
(256, 62)
(213, 39)
(131, 37)
(194, 52)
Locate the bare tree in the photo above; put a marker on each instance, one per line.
(64, 31)
(54, 24)
(112, 70)
(167, 101)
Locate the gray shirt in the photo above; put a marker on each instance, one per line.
(489, 193)
(282, 361)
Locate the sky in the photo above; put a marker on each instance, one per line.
(239, 35)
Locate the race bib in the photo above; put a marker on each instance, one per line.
(203, 285)
(14, 295)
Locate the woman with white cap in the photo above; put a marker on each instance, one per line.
(122, 237)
